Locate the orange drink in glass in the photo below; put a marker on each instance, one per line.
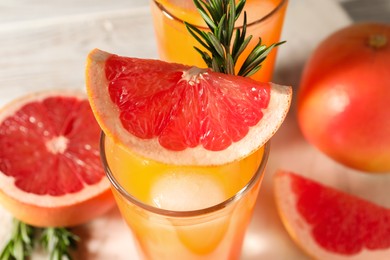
(175, 44)
(184, 212)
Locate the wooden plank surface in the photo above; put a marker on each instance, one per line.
(22, 11)
(50, 51)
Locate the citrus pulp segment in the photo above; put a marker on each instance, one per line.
(50, 169)
(178, 114)
(330, 224)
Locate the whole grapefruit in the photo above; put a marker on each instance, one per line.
(343, 100)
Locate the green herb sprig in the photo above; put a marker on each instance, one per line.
(21, 242)
(222, 52)
(58, 242)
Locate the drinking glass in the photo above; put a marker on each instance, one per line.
(175, 43)
(184, 212)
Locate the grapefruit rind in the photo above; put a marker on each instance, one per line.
(300, 231)
(10, 108)
(45, 210)
(107, 115)
(7, 186)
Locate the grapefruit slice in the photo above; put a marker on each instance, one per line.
(50, 169)
(330, 224)
(178, 114)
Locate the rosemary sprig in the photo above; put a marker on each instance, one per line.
(222, 55)
(58, 242)
(21, 243)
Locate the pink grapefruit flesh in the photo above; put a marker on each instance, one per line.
(330, 224)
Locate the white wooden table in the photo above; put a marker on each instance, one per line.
(44, 44)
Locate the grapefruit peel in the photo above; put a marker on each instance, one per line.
(107, 114)
(361, 245)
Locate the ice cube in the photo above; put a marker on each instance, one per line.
(183, 191)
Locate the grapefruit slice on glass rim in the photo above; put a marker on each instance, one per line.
(330, 224)
(179, 114)
(50, 169)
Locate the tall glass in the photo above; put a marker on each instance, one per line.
(175, 44)
(184, 212)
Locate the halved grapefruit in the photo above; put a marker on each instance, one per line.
(50, 169)
(178, 114)
(331, 224)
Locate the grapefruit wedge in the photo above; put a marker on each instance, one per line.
(330, 224)
(50, 169)
(178, 114)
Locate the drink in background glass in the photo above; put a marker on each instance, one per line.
(175, 43)
(184, 212)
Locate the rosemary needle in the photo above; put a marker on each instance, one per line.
(58, 242)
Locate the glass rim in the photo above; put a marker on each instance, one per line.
(189, 213)
(263, 18)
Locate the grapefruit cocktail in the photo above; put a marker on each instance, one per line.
(175, 44)
(185, 150)
(185, 212)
